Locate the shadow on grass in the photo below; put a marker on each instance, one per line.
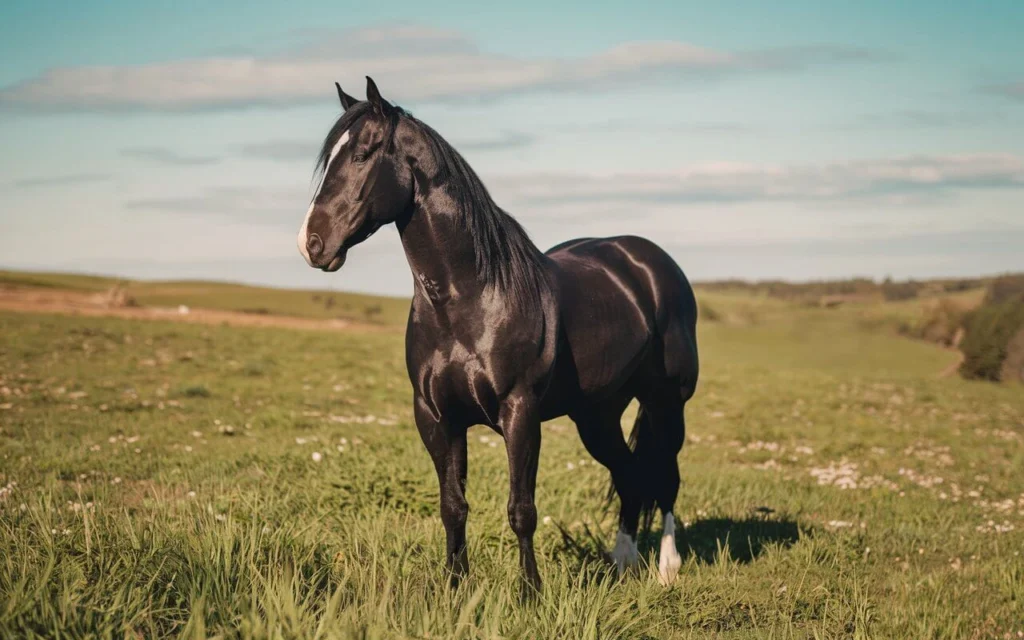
(709, 540)
(743, 540)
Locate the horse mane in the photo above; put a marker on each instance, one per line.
(505, 256)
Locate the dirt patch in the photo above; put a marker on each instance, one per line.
(954, 367)
(109, 304)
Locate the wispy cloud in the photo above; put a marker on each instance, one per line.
(253, 204)
(503, 141)
(886, 184)
(410, 63)
(925, 119)
(1013, 90)
(165, 156)
(625, 124)
(61, 180)
(893, 181)
(881, 244)
(281, 150)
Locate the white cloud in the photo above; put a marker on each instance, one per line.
(253, 204)
(892, 181)
(165, 156)
(61, 180)
(410, 63)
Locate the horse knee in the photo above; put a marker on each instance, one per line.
(523, 518)
(454, 512)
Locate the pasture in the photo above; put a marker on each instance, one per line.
(161, 478)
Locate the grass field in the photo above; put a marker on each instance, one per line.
(163, 478)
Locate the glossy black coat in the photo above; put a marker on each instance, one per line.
(502, 335)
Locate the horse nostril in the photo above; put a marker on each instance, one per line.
(314, 246)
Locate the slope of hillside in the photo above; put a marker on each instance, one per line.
(223, 296)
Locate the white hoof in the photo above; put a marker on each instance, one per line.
(670, 560)
(625, 554)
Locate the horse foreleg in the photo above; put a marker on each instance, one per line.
(447, 448)
(520, 425)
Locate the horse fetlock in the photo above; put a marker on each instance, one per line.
(625, 555)
(669, 560)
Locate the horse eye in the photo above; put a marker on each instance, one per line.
(359, 158)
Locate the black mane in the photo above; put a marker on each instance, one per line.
(506, 258)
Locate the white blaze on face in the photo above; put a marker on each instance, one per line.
(670, 560)
(625, 553)
(327, 168)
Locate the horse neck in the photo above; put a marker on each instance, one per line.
(440, 250)
(449, 239)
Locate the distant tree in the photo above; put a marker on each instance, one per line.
(1008, 288)
(894, 291)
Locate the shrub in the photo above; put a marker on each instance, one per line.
(894, 291)
(988, 331)
(940, 324)
(1009, 288)
(955, 286)
(1013, 365)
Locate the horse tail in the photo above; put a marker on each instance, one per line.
(641, 442)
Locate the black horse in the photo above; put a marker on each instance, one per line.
(503, 335)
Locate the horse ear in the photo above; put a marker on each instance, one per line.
(346, 100)
(380, 105)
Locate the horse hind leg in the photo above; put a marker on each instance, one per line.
(667, 431)
(601, 433)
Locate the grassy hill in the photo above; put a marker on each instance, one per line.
(228, 297)
(159, 478)
(730, 302)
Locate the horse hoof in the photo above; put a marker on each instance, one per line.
(668, 567)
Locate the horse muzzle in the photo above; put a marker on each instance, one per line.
(336, 262)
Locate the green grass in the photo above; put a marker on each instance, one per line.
(158, 479)
(291, 302)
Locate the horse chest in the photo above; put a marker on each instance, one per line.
(468, 377)
(458, 384)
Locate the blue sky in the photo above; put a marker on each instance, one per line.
(799, 140)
